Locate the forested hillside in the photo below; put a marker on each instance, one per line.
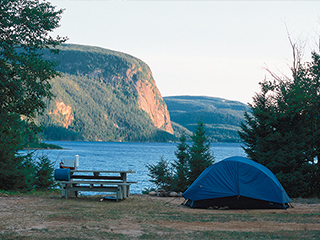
(103, 95)
(222, 117)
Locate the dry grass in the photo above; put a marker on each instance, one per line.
(145, 217)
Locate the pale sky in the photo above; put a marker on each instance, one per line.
(201, 48)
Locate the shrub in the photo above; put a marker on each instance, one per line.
(161, 174)
(44, 178)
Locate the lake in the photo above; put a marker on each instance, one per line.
(128, 156)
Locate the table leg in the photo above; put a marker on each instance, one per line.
(125, 189)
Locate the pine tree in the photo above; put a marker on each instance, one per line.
(180, 166)
(275, 136)
(281, 132)
(200, 155)
(190, 163)
(44, 178)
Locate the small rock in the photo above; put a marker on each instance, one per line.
(162, 194)
(152, 193)
(166, 194)
(173, 194)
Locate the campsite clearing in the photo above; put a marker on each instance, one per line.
(146, 217)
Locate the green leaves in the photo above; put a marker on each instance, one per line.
(24, 30)
(25, 27)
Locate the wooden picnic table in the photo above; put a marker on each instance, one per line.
(96, 181)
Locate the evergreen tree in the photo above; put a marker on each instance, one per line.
(44, 178)
(312, 115)
(275, 137)
(180, 166)
(190, 163)
(200, 155)
(281, 130)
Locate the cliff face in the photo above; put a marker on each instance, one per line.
(153, 107)
(122, 83)
(63, 114)
(150, 99)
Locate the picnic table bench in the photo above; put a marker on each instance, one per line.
(93, 181)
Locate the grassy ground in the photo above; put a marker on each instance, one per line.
(47, 216)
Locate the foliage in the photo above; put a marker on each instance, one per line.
(24, 78)
(282, 132)
(190, 163)
(200, 155)
(44, 178)
(17, 173)
(14, 170)
(161, 174)
(147, 190)
(180, 178)
(32, 140)
(42, 145)
(25, 27)
(56, 133)
(222, 117)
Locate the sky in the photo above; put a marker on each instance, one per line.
(199, 48)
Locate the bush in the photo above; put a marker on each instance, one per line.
(148, 190)
(161, 174)
(44, 178)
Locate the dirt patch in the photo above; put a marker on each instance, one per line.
(240, 226)
(141, 216)
(298, 208)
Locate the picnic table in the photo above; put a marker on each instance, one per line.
(97, 181)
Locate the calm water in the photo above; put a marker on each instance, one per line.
(128, 156)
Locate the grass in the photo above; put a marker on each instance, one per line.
(47, 216)
(306, 200)
(33, 192)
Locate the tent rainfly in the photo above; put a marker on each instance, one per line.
(236, 183)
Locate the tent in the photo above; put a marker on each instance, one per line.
(236, 183)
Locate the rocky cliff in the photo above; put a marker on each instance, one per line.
(104, 89)
(63, 114)
(149, 97)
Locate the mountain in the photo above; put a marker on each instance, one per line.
(221, 117)
(104, 95)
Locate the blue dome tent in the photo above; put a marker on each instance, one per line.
(236, 183)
